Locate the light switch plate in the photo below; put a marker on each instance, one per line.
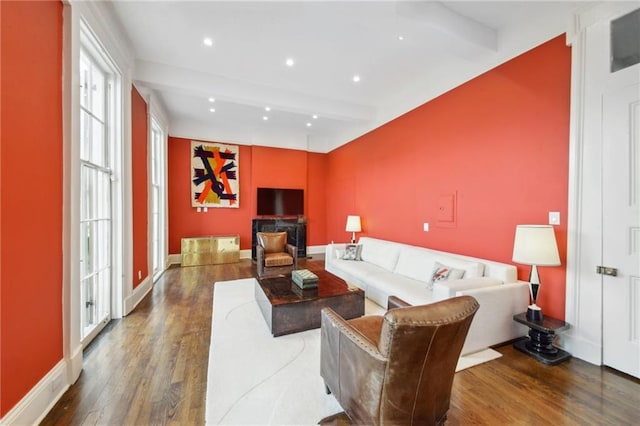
(554, 218)
(425, 227)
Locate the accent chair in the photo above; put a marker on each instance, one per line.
(397, 368)
(273, 255)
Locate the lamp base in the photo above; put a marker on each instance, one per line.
(534, 313)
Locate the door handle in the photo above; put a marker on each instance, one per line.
(606, 270)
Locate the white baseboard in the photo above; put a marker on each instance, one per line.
(137, 295)
(580, 348)
(176, 259)
(74, 365)
(41, 398)
(316, 249)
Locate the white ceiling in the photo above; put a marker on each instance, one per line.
(445, 44)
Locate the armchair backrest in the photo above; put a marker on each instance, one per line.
(422, 345)
(272, 242)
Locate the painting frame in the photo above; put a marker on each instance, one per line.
(215, 175)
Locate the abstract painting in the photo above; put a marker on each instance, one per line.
(214, 179)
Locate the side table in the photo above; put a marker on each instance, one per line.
(539, 345)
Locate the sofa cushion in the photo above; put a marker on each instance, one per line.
(447, 289)
(273, 242)
(415, 262)
(352, 252)
(472, 269)
(354, 273)
(277, 259)
(444, 273)
(380, 253)
(384, 284)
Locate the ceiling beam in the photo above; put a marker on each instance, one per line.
(203, 85)
(445, 20)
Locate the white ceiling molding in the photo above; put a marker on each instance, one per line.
(440, 17)
(100, 18)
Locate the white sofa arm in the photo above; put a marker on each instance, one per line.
(493, 323)
(447, 289)
(334, 251)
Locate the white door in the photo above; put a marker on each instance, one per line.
(621, 222)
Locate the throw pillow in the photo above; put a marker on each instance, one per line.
(352, 252)
(443, 273)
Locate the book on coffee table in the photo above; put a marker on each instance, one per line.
(304, 278)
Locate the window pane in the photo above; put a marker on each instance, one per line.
(85, 136)
(97, 93)
(89, 287)
(87, 248)
(103, 284)
(104, 196)
(102, 244)
(84, 80)
(625, 41)
(98, 148)
(84, 250)
(84, 193)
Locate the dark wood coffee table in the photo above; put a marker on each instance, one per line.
(289, 309)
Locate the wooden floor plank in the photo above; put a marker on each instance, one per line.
(151, 368)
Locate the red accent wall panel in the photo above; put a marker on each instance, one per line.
(315, 197)
(140, 185)
(31, 199)
(498, 145)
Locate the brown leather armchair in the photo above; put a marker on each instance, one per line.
(273, 255)
(398, 368)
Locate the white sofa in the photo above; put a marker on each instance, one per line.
(393, 269)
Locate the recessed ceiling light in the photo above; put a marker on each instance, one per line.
(290, 62)
(212, 109)
(356, 78)
(267, 109)
(212, 99)
(308, 124)
(315, 116)
(208, 41)
(400, 37)
(265, 118)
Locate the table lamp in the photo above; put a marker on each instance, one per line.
(353, 226)
(535, 245)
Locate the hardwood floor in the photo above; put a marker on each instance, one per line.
(151, 368)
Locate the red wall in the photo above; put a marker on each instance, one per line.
(315, 197)
(31, 197)
(183, 219)
(139, 155)
(500, 142)
(257, 167)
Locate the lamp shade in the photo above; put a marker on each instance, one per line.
(535, 245)
(353, 224)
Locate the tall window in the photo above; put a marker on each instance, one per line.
(96, 150)
(157, 198)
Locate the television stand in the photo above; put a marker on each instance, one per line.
(294, 226)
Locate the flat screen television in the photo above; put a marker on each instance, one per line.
(280, 202)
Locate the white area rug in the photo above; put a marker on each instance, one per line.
(254, 378)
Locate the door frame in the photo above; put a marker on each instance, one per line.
(589, 78)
